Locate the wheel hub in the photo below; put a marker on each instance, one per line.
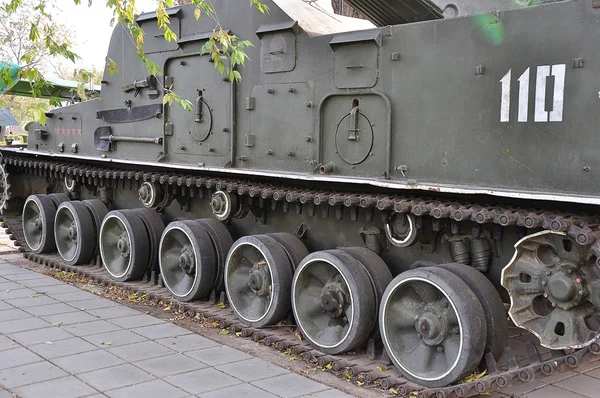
(431, 328)
(144, 193)
(564, 289)
(186, 260)
(123, 246)
(38, 224)
(258, 280)
(217, 204)
(333, 299)
(72, 233)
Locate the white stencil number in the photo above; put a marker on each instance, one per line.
(541, 114)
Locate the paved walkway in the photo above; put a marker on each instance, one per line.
(58, 341)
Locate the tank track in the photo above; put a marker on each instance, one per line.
(498, 376)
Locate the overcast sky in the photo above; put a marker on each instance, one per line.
(91, 28)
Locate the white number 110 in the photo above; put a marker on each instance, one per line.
(541, 114)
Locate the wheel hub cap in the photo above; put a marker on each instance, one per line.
(38, 224)
(217, 204)
(258, 280)
(563, 289)
(123, 246)
(333, 299)
(144, 193)
(431, 328)
(72, 233)
(186, 261)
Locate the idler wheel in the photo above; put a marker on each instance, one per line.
(74, 236)
(38, 223)
(187, 260)
(433, 326)
(553, 286)
(333, 301)
(124, 245)
(493, 308)
(258, 278)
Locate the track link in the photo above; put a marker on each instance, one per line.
(582, 228)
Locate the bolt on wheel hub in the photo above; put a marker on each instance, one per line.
(123, 246)
(259, 279)
(72, 233)
(186, 260)
(333, 299)
(431, 328)
(565, 290)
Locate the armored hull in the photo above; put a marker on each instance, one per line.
(455, 155)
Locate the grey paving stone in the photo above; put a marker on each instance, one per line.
(523, 388)
(585, 385)
(17, 357)
(218, 355)
(114, 312)
(115, 377)
(31, 301)
(20, 325)
(238, 391)
(5, 306)
(552, 392)
(89, 328)
(93, 304)
(203, 380)
(160, 331)
(169, 365)
(7, 271)
(290, 385)
(76, 316)
(59, 287)
(65, 387)
(50, 309)
(187, 343)
(38, 282)
(11, 294)
(150, 389)
(591, 369)
(42, 335)
(12, 314)
(9, 285)
(7, 344)
(87, 361)
(331, 393)
(140, 351)
(5, 394)
(62, 348)
(136, 321)
(28, 374)
(116, 339)
(252, 369)
(22, 276)
(74, 296)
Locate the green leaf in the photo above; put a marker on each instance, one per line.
(224, 332)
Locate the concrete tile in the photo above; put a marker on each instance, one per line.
(333, 393)
(239, 391)
(74, 296)
(140, 351)
(21, 276)
(524, 388)
(89, 328)
(187, 343)
(10, 285)
(5, 394)
(114, 312)
(12, 314)
(10, 294)
(41, 282)
(115, 377)
(7, 344)
(62, 348)
(219, 355)
(38, 336)
(136, 321)
(7, 271)
(118, 338)
(5, 306)
(203, 380)
(31, 301)
(17, 357)
(59, 287)
(558, 377)
(70, 318)
(28, 374)
(87, 361)
(169, 365)
(93, 304)
(51, 309)
(65, 387)
(252, 369)
(20, 325)
(552, 392)
(290, 385)
(593, 371)
(160, 331)
(150, 389)
(583, 384)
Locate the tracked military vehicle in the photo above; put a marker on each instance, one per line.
(390, 187)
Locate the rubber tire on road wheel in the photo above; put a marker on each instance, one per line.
(86, 236)
(493, 308)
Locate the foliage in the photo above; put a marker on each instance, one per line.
(226, 50)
